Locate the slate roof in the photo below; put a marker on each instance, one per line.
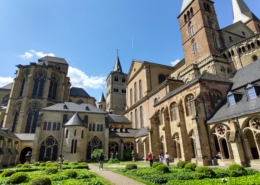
(244, 105)
(244, 75)
(7, 133)
(74, 107)
(25, 136)
(142, 132)
(8, 86)
(77, 91)
(241, 12)
(205, 76)
(126, 133)
(75, 120)
(53, 59)
(117, 67)
(102, 98)
(113, 118)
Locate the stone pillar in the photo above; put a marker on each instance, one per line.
(248, 149)
(257, 146)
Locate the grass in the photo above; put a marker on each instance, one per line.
(121, 165)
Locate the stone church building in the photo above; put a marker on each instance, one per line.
(205, 104)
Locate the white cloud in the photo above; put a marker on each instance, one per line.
(175, 62)
(5, 80)
(79, 79)
(41, 54)
(32, 53)
(26, 55)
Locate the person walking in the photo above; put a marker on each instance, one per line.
(101, 160)
(167, 158)
(150, 158)
(60, 161)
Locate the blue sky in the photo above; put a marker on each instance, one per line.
(87, 33)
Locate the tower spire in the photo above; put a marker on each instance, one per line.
(102, 98)
(185, 4)
(241, 12)
(117, 66)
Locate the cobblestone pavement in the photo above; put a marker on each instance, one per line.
(113, 177)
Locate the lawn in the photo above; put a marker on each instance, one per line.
(71, 174)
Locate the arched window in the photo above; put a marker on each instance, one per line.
(215, 97)
(140, 89)
(255, 58)
(174, 111)
(191, 29)
(67, 133)
(185, 18)
(73, 146)
(131, 97)
(53, 87)
(258, 43)
(123, 79)
(136, 118)
(209, 21)
(38, 85)
(215, 42)
(224, 55)
(141, 117)
(239, 50)
(191, 11)
(116, 78)
(190, 105)
(15, 120)
(248, 46)
(128, 145)
(243, 49)
(230, 39)
(188, 15)
(115, 89)
(32, 118)
(23, 83)
(232, 53)
(208, 8)
(49, 149)
(161, 78)
(253, 45)
(93, 144)
(229, 54)
(135, 92)
(194, 47)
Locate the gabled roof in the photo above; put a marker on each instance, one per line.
(113, 118)
(102, 98)
(74, 107)
(185, 4)
(126, 134)
(8, 86)
(7, 133)
(53, 59)
(247, 74)
(117, 67)
(241, 12)
(142, 132)
(77, 91)
(205, 76)
(75, 120)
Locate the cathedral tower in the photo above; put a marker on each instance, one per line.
(102, 102)
(199, 29)
(116, 89)
(243, 13)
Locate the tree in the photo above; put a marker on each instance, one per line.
(95, 154)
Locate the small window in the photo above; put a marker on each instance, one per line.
(123, 91)
(49, 126)
(231, 99)
(54, 126)
(230, 39)
(98, 127)
(75, 132)
(87, 108)
(93, 127)
(251, 92)
(65, 107)
(116, 78)
(243, 33)
(45, 126)
(82, 134)
(101, 128)
(90, 127)
(67, 133)
(123, 79)
(58, 126)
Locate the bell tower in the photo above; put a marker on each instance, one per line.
(199, 30)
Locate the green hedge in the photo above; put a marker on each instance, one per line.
(131, 166)
(190, 166)
(181, 164)
(41, 181)
(18, 178)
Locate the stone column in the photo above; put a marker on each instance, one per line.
(248, 149)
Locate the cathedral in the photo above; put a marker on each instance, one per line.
(205, 105)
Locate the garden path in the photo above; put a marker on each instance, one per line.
(113, 177)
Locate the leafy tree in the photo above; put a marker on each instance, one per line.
(96, 153)
(127, 155)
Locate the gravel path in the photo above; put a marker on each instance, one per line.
(113, 177)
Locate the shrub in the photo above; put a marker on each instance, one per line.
(43, 164)
(190, 166)
(206, 170)
(19, 165)
(36, 163)
(235, 167)
(74, 163)
(46, 158)
(70, 173)
(155, 164)
(181, 164)
(127, 155)
(163, 168)
(41, 181)
(83, 163)
(113, 161)
(7, 173)
(66, 162)
(48, 164)
(51, 170)
(26, 166)
(131, 166)
(95, 154)
(251, 171)
(220, 173)
(18, 178)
